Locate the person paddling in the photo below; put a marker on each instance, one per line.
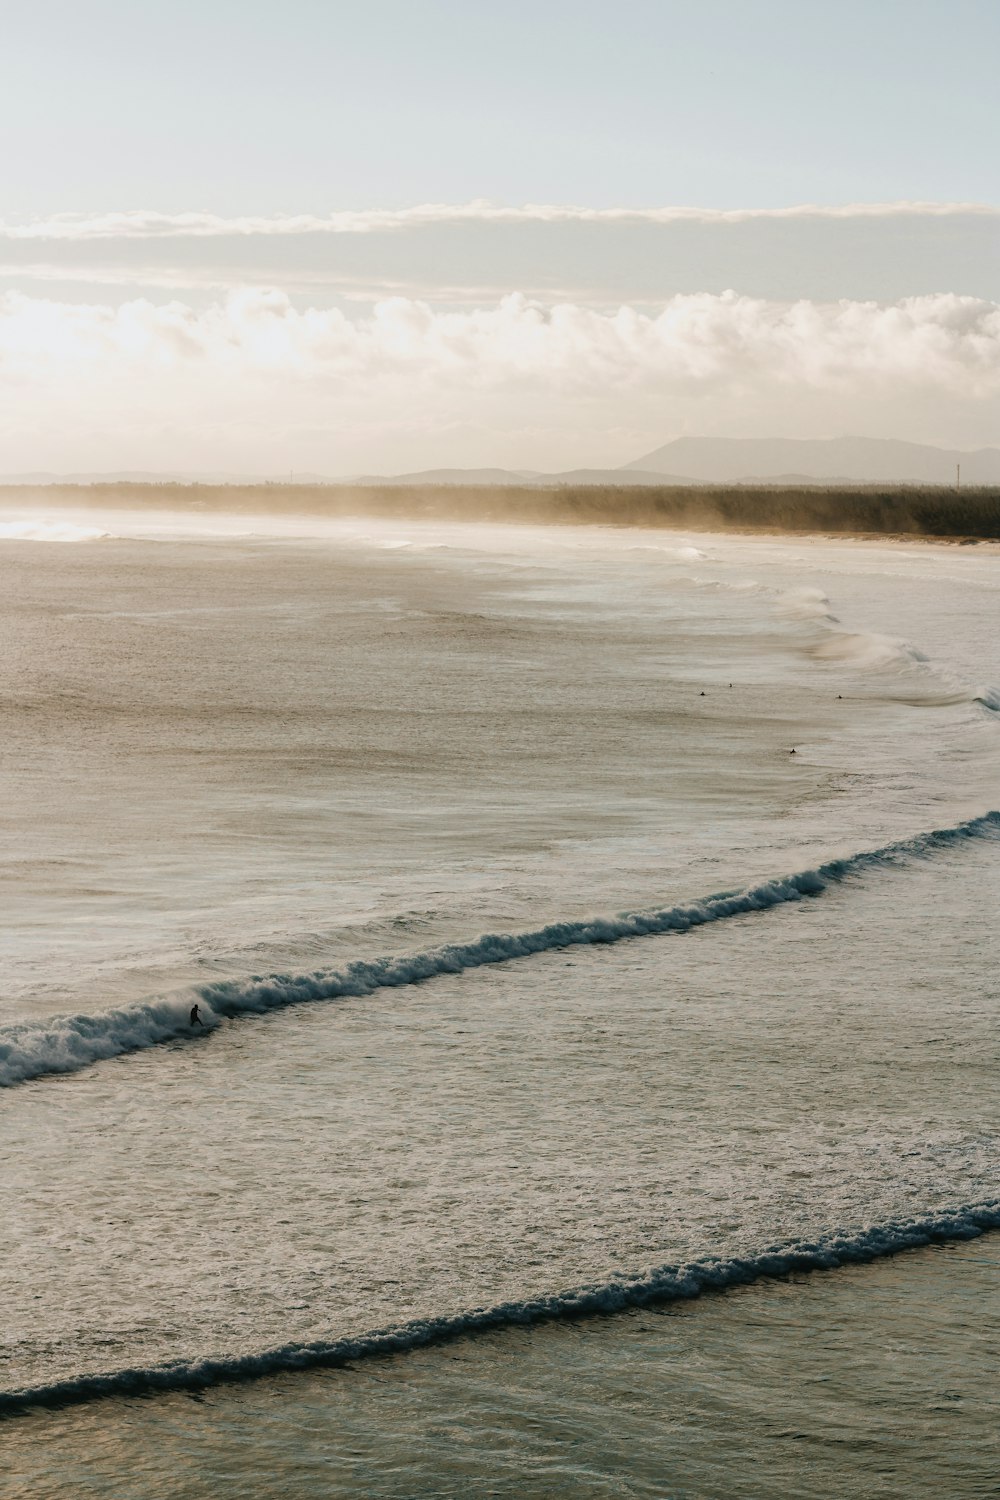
(195, 1019)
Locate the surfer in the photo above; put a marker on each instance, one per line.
(195, 1019)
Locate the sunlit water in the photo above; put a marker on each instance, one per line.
(231, 754)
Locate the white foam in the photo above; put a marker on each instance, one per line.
(804, 603)
(865, 648)
(50, 531)
(834, 642)
(664, 1284)
(65, 1044)
(686, 552)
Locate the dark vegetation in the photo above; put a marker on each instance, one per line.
(867, 510)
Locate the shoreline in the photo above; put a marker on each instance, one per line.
(869, 513)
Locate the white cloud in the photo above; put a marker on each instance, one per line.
(163, 384)
(143, 224)
(142, 277)
(943, 340)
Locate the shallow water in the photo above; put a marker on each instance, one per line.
(235, 755)
(834, 1384)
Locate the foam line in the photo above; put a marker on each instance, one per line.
(665, 1284)
(66, 1044)
(49, 531)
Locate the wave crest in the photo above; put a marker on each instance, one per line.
(664, 1284)
(50, 531)
(65, 1044)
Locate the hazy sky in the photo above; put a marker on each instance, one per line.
(239, 236)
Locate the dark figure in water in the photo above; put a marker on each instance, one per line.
(195, 1017)
(791, 752)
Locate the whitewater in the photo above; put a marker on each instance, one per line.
(71, 1042)
(665, 1284)
(461, 781)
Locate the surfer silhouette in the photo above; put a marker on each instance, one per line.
(195, 1019)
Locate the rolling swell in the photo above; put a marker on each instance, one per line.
(665, 1284)
(68, 1043)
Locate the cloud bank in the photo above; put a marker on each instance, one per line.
(551, 385)
(942, 341)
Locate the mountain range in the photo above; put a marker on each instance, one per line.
(685, 460)
(712, 460)
(858, 460)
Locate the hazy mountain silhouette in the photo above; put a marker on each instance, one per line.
(629, 476)
(685, 461)
(857, 460)
(451, 476)
(612, 476)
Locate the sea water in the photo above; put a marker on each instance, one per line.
(539, 979)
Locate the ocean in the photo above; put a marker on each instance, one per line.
(593, 933)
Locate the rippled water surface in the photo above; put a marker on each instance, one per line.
(339, 754)
(844, 1384)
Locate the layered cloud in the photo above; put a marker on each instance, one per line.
(253, 376)
(942, 341)
(142, 224)
(465, 254)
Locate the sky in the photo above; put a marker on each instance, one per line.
(323, 237)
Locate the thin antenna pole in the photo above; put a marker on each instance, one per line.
(958, 478)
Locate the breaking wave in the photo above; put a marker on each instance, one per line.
(50, 531)
(834, 642)
(865, 648)
(687, 552)
(669, 1283)
(65, 1044)
(804, 604)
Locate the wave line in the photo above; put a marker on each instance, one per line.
(65, 1044)
(669, 1283)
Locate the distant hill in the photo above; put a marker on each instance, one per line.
(628, 476)
(452, 476)
(798, 481)
(779, 461)
(786, 462)
(511, 477)
(854, 460)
